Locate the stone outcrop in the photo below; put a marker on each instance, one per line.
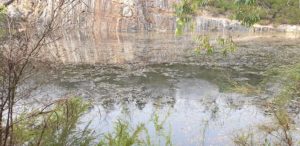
(134, 15)
(105, 16)
(101, 32)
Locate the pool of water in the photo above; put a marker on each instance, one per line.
(194, 103)
(140, 78)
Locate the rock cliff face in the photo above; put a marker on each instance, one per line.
(152, 15)
(101, 32)
(133, 15)
(157, 15)
(124, 15)
(105, 16)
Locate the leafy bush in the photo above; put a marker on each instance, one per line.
(55, 127)
(123, 135)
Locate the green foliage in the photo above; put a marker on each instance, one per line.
(123, 135)
(185, 10)
(282, 125)
(280, 11)
(221, 6)
(245, 2)
(280, 128)
(247, 139)
(160, 129)
(243, 139)
(247, 14)
(56, 127)
(246, 11)
(259, 11)
(289, 78)
(204, 43)
(227, 45)
(3, 12)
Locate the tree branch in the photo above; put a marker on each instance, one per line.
(8, 3)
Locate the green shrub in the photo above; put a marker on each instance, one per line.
(124, 135)
(55, 127)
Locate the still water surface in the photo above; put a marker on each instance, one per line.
(139, 77)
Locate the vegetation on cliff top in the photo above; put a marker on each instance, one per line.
(248, 12)
(270, 11)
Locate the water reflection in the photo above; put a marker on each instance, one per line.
(155, 48)
(158, 82)
(122, 48)
(189, 120)
(190, 96)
